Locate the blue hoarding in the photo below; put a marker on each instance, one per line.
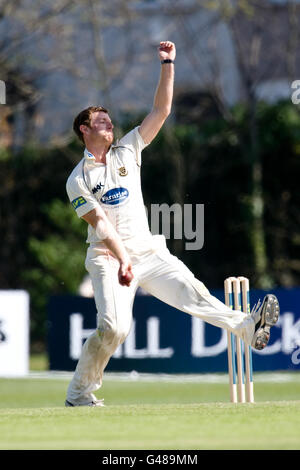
(163, 339)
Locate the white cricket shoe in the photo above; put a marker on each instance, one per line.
(265, 316)
(93, 402)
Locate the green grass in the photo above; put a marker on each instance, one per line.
(149, 415)
(38, 361)
(192, 426)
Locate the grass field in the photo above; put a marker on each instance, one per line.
(151, 414)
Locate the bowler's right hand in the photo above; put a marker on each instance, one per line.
(125, 274)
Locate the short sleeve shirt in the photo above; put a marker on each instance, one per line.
(116, 187)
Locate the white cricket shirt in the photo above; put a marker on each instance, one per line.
(116, 186)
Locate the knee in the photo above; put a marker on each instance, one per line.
(109, 333)
(123, 335)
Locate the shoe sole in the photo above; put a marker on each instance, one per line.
(68, 403)
(269, 318)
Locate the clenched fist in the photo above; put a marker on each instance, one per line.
(166, 50)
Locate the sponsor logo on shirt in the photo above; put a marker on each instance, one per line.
(115, 196)
(79, 201)
(97, 187)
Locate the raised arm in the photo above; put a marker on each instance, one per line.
(106, 232)
(163, 95)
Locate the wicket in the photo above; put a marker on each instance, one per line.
(237, 297)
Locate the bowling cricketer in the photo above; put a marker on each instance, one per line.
(122, 254)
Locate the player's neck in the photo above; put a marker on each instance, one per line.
(99, 151)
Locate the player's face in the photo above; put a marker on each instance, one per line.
(101, 127)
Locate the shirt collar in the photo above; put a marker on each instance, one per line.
(91, 158)
(88, 155)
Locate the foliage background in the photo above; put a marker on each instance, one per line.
(43, 242)
(239, 157)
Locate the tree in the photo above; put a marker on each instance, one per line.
(65, 40)
(265, 41)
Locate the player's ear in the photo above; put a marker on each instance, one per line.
(83, 129)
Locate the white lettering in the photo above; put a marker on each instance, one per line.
(130, 350)
(77, 335)
(165, 211)
(290, 337)
(198, 235)
(152, 349)
(198, 348)
(153, 340)
(290, 332)
(288, 343)
(2, 92)
(296, 357)
(161, 216)
(296, 94)
(113, 460)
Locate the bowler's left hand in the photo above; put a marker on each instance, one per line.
(166, 50)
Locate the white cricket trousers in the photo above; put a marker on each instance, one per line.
(161, 275)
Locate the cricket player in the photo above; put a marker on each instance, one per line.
(122, 254)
